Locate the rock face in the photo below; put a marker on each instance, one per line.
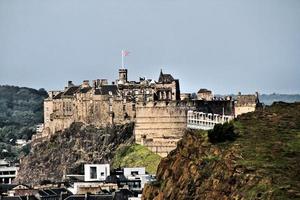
(66, 151)
(262, 163)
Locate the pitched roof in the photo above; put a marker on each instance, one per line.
(203, 90)
(58, 96)
(85, 89)
(71, 90)
(105, 89)
(11, 198)
(91, 197)
(165, 78)
(52, 192)
(5, 187)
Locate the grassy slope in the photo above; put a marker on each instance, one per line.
(136, 156)
(262, 163)
(271, 145)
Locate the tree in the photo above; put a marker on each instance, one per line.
(221, 133)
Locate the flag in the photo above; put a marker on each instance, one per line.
(125, 53)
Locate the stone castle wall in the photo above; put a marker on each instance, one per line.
(160, 116)
(159, 126)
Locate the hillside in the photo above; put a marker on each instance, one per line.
(136, 156)
(20, 110)
(66, 151)
(262, 163)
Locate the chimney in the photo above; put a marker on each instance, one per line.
(70, 84)
(95, 85)
(85, 83)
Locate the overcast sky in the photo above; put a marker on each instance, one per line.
(226, 46)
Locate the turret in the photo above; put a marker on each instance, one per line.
(123, 75)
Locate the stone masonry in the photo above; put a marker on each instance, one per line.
(158, 108)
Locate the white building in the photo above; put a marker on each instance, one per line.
(96, 172)
(7, 172)
(138, 173)
(133, 171)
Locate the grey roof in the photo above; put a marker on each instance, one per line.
(105, 89)
(19, 197)
(6, 187)
(203, 90)
(90, 197)
(52, 192)
(165, 78)
(58, 96)
(85, 90)
(11, 198)
(71, 90)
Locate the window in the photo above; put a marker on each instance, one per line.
(133, 107)
(93, 172)
(133, 173)
(124, 107)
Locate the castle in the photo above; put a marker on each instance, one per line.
(159, 110)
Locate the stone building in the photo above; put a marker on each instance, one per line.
(158, 108)
(102, 104)
(246, 103)
(204, 94)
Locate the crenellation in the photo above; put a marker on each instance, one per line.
(157, 108)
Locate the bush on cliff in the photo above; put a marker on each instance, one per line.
(221, 133)
(136, 156)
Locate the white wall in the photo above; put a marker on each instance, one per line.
(102, 171)
(128, 171)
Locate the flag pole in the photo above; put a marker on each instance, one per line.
(122, 59)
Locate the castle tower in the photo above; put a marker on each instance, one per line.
(123, 75)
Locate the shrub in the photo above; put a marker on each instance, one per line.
(221, 133)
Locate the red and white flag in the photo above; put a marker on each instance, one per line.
(125, 53)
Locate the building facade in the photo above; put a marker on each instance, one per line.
(158, 108)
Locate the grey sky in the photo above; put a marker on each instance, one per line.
(227, 46)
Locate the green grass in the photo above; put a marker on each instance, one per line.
(270, 142)
(136, 156)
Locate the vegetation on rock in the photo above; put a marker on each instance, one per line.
(65, 152)
(20, 110)
(262, 163)
(136, 156)
(222, 133)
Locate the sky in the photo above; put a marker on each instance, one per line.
(226, 46)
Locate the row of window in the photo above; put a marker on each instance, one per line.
(7, 172)
(201, 123)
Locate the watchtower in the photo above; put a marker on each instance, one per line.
(123, 75)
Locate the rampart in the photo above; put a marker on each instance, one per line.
(159, 125)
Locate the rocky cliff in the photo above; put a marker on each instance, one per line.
(262, 163)
(65, 152)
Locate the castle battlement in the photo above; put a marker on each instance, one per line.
(157, 108)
